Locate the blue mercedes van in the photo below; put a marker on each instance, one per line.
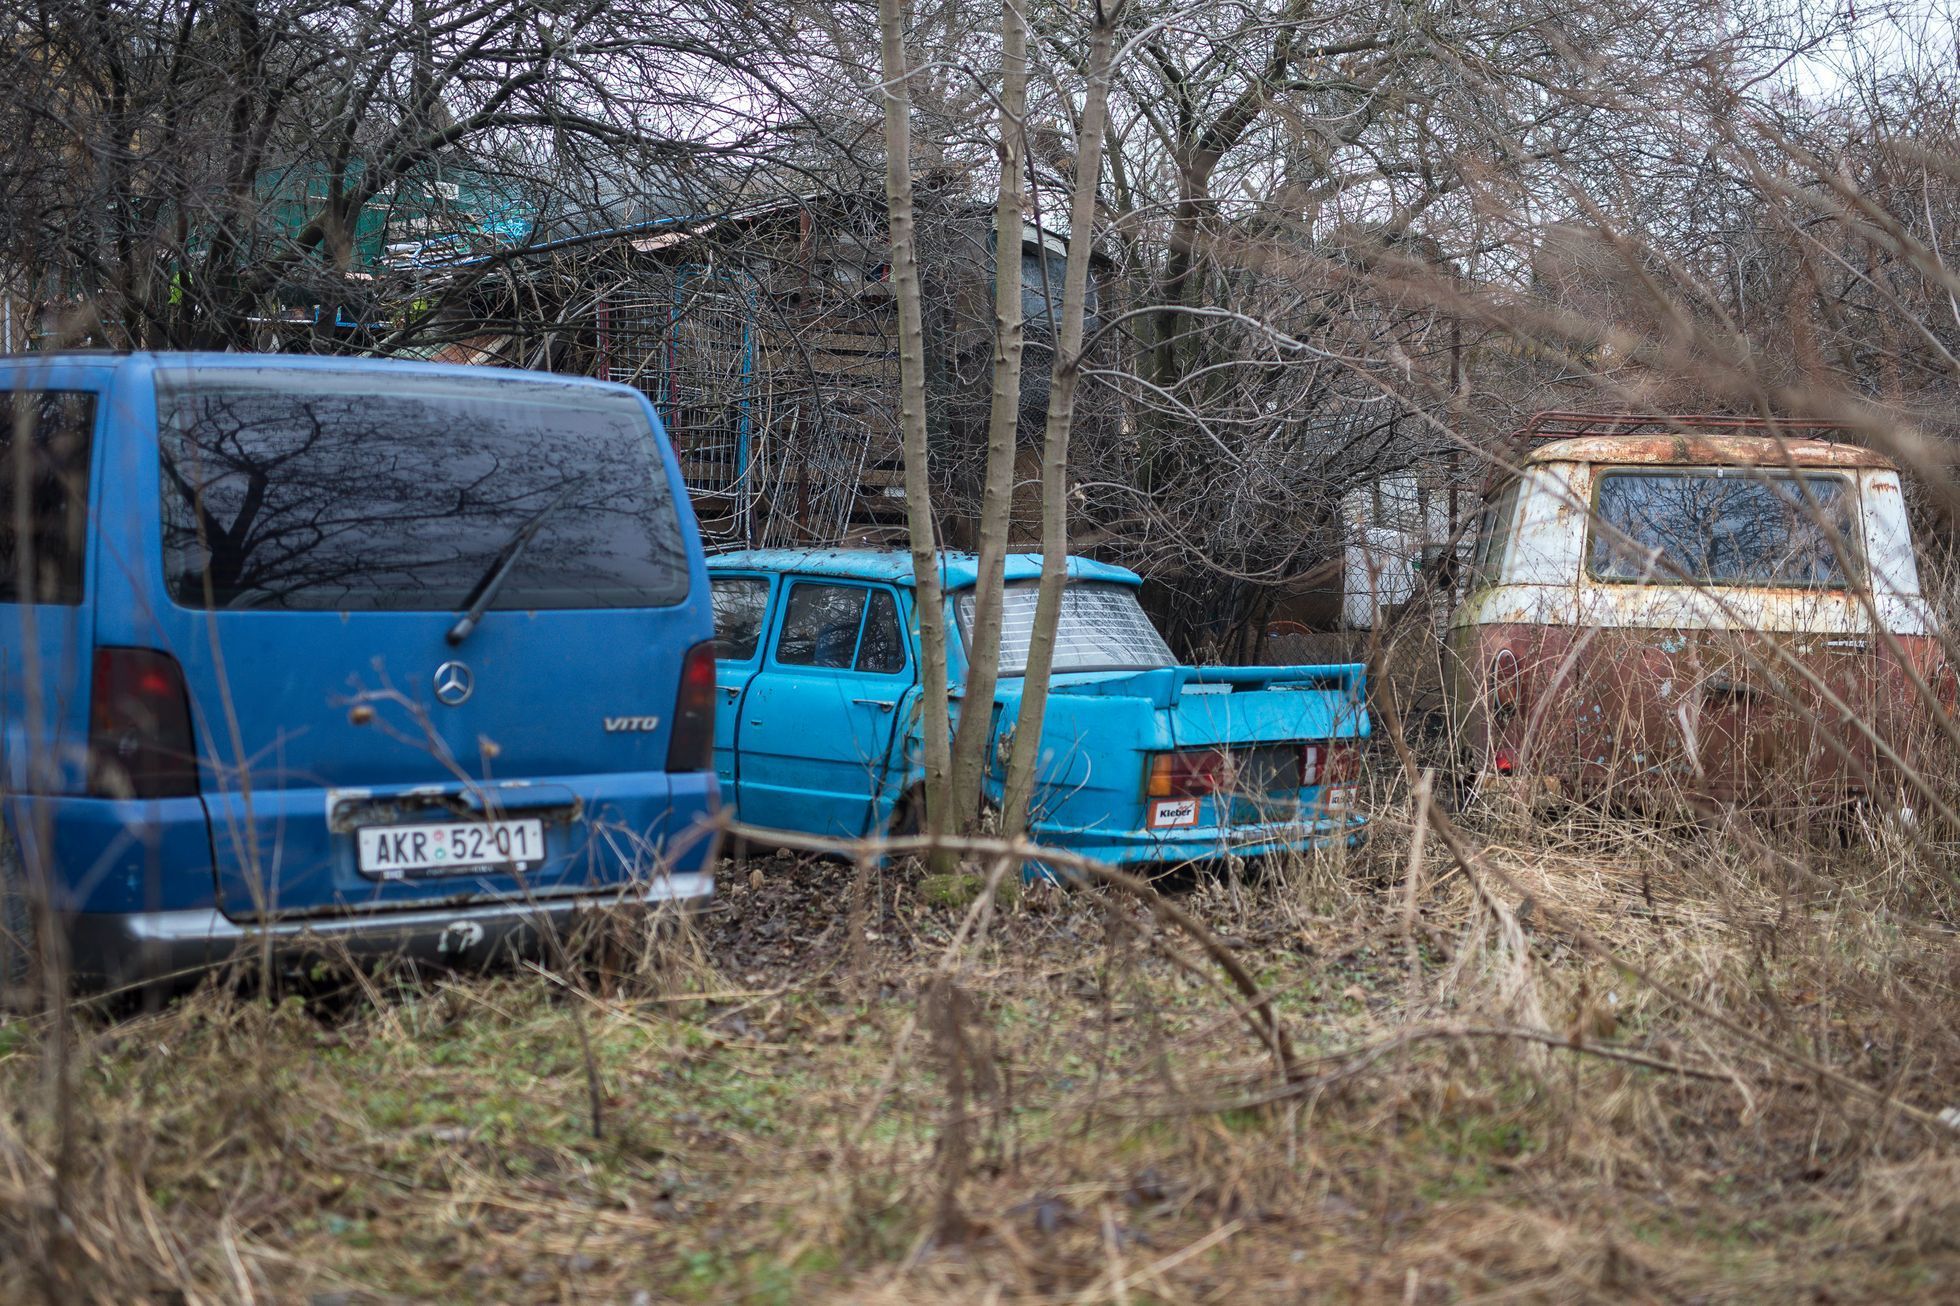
(318, 653)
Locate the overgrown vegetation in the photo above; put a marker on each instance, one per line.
(797, 1094)
(1528, 1049)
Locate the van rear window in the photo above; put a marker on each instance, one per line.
(1723, 527)
(44, 457)
(362, 490)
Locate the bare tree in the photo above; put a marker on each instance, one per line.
(1003, 424)
(895, 90)
(1025, 756)
(1276, 174)
(182, 173)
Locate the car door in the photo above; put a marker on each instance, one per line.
(742, 612)
(1509, 640)
(818, 715)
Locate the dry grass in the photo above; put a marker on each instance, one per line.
(1068, 1108)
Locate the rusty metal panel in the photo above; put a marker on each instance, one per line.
(1705, 451)
(1738, 715)
(1890, 558)
(1769, 694)
(1549, 531)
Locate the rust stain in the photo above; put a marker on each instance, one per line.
(1685, 605)
(1706, 451)
(1719, 711)
(1776, 693)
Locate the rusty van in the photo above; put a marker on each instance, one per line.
(1703, 604)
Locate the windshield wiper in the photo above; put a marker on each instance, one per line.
(485, 591)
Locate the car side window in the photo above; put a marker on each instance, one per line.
(44, 466)
(883, 647)
(741, 603)
(820, 627)
(1494, 538)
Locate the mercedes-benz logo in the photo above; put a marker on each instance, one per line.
(454, 683)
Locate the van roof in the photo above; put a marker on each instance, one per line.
(147, 360)
(894, 566)
(1706, 450)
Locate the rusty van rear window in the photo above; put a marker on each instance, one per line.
(1724, 526)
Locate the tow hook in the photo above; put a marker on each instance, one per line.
(458, 937)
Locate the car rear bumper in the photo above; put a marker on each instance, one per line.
(1180, 847)
(147, 947)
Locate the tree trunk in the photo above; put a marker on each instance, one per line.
(1003, 425)
(1025, 755)
(931, 608)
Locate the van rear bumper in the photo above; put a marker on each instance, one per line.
(120, 948)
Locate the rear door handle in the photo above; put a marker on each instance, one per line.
(733, 691)
(882, 704)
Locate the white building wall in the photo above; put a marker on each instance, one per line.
(1388, 524)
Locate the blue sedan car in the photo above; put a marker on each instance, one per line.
(1144, 762)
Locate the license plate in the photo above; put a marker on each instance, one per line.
(395, 852)
(1265, 811)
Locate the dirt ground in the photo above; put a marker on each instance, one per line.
(869, 1085)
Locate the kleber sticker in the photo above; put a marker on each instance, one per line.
(1173, 812)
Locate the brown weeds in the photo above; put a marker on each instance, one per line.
(1052, 1095)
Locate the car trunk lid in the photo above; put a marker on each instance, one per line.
(1268, 727)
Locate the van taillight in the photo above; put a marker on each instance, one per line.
(140, 743)
(1332, 762)
(691, 743)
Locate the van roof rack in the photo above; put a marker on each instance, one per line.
(1557, 424)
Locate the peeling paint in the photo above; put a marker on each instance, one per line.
(1706, 451)
(1714, 686)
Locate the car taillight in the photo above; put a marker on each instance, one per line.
(691, 743)
(140, 742)
(1189, 774)
(1330, 762)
